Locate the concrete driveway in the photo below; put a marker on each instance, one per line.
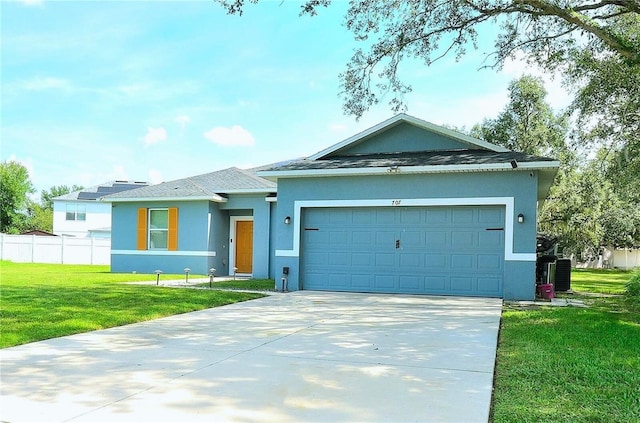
(304, 356)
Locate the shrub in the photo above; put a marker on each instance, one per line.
(633, 286)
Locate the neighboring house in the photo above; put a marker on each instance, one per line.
(80, 214)
(38, 232)
(403, 207)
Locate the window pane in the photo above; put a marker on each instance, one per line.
(159, 219)
(71, 212)
(158, 239)
(81, 216)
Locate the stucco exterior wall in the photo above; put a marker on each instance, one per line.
(520, 186)
(203, 237)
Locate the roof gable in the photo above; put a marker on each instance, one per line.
(402, 134)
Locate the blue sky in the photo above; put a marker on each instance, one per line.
(157, 90)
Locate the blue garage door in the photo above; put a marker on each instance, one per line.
(421, 250)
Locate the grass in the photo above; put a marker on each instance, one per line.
(251, 284)
(566, 364)
(553, 364)
(603, 281)
(42, 301)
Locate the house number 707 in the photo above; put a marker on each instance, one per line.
(396, 202)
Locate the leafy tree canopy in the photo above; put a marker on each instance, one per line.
(549, 32)
(15, 185)
(585, 212)
(528, 123)
(46, 197)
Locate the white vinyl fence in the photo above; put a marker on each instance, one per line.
(55, 249)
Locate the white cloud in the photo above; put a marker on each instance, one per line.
(155, 176)
(230, 137)
(32, 2)
(45, 83)
(155, 135)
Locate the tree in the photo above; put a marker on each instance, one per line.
(527, 124)
(549, 32)
(37, 217)
(15, 185)
(608, 102)
(585, 212)
(46, 197)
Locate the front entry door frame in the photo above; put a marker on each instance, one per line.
(233, 220)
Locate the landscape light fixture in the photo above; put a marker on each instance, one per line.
(186, 273)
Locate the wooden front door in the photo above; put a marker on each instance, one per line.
(244, 246)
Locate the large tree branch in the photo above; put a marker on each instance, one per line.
(589, 25)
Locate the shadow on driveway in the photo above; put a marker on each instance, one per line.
(303, 356)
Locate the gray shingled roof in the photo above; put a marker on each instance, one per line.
(105, 188)
(422, 158)
(208, 185)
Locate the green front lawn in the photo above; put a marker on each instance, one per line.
(42, 301)
(603, 281)
(568, 364)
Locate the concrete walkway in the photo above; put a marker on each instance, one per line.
(304, 356)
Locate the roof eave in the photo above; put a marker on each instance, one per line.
(215, 199)
(274, 175)
(250, 191)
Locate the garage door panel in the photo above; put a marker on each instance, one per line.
(361, 281)
(490, 286)
(363, 216)
(436, 216)
(411, 260)
(340, 216)
(385, 282)
(385, 217)
(314, 258)
(410, 239)
(490, 216)
(338, 259)
(338, 280)
(386, 239)
(387, 260)
(489, 262)
(436, 239)
(440, 250)
(435, 262)
(490, 239)
(411, 216)
(361, 238)
(462, 240)
(462, 261)
(410, 283)
(435, 283)
(361, 259)
(461, 284)
(462, 216)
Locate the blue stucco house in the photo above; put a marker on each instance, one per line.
(403, 207)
